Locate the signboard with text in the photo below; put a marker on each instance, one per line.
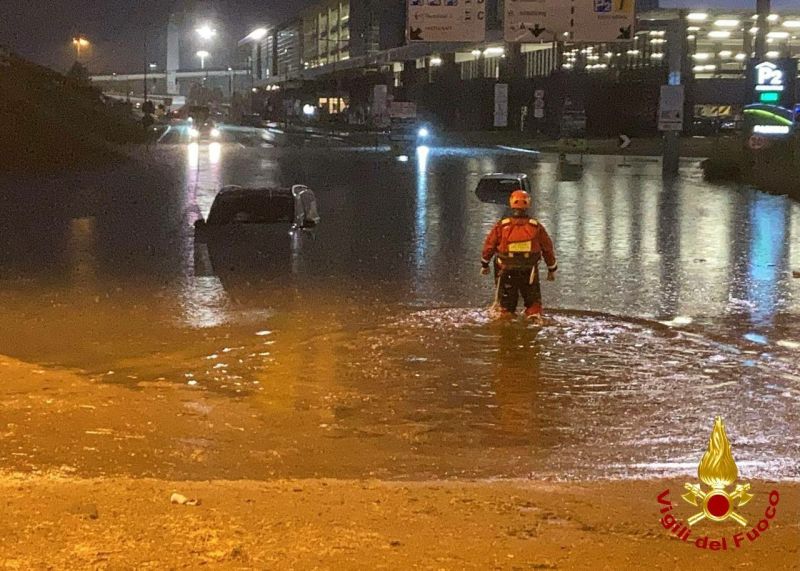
(773, 82)
(573, 20)
(602, 20)
(670, 108)
(403, 110)
(536, 20)
(501, 105)
(446, 21)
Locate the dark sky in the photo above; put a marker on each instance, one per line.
(41, 29)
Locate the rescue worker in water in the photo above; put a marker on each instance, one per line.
(519, 242)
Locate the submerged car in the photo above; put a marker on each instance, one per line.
(256, 233)
(294, 207)
(496, 187)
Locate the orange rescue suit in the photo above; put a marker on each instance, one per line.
(519, 242)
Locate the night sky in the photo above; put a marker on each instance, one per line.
(41, 29)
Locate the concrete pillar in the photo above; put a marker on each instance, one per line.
(173, 53)
(676, 56)
(762, 11)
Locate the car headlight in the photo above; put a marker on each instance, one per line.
(423, 133)
(215, 133)
(194, 133)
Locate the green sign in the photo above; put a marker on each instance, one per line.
(769, 97)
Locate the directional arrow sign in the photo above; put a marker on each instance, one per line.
(624, 142)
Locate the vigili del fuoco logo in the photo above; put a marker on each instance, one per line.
(715, 502)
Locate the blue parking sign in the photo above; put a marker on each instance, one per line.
(603, 6)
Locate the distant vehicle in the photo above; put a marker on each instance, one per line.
(496, 187)
(235, 206)
(198, 114)
(208, 130)
(411, 132)
(709, 126)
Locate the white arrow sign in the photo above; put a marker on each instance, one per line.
(624, 141)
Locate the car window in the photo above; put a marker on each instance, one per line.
(498, 185)
(258, 208)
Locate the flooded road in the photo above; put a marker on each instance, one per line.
(366, 348)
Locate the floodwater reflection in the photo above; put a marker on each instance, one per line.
(379, 344)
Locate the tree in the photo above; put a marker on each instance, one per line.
(78, 73)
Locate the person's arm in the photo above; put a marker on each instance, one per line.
(548, 253)
(490, 248)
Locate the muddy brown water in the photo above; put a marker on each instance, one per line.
(674, 303)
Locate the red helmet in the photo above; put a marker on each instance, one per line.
(520, 200)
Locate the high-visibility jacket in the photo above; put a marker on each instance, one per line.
(519, 242)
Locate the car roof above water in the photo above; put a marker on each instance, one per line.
(242, 191)
(505, 175)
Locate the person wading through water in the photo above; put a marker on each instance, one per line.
(519, 242)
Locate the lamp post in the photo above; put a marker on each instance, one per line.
(79, 42)
(202, 54)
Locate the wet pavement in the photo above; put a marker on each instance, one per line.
(366, 348)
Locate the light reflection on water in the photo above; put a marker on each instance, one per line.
(379, 322)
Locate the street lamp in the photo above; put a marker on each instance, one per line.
(202, 54)
(206, 32)
(79, 42)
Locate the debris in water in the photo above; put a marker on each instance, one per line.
(182, 500)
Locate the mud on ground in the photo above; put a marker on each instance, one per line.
(87, 477)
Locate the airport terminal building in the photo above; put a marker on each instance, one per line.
(335, 52)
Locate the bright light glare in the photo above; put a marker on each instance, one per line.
(697, 16)
(214, 153)
(771, 129)
(719, 34)
(778, 35)
(308, 110)
(494, 51)
(193, 133)
(726, 23)
(403, 158)
(791, 24)
(257, 34)
(206, 32)
(215, 133)
(436, 61)
(203, 54)
(423, 133)
(194, 155)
